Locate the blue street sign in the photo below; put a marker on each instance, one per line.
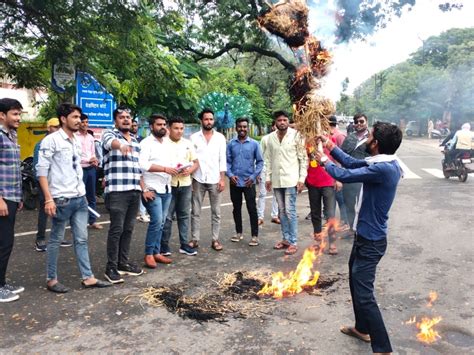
(94, 100)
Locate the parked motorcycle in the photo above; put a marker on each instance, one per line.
(440, 133)
(29, 188)
(461, 166)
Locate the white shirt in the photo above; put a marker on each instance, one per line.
(158, 153)
(59, 160)
(211, 156)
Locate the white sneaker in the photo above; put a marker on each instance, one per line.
(14, 289)
(7, 296)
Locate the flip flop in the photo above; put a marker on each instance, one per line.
(281, 245)
(57, 288)
(332, 250)
(350, 331)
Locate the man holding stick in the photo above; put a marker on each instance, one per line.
(379, 173)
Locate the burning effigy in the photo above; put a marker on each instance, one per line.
(289, 20)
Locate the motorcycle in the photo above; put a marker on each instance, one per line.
(440, 133)
(461, 166)
(29, 187)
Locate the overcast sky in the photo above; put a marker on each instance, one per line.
(402, 36)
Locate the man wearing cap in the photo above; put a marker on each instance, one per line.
(89, 163)
(52, 125)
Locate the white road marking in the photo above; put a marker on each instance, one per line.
(107, 222)
(435, 172)
(407, 173)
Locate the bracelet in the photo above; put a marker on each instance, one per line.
(49, 201)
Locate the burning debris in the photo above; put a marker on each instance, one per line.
(289, 20)
(432, 297)
(426, 332)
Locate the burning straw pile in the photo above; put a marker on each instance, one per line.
(235, 296)
(289, 20)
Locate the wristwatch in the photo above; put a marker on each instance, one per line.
(323, 161)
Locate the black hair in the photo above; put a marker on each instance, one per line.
(7, 104)
(156, 116)
(241, 119)
(120, 109)
(175, 119)
(359, 115)
(84, 117)
(277, 114)
(388, 136)
(205, 110)
(65, 109)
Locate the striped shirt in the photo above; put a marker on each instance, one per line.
(10, 173)
(122, 172)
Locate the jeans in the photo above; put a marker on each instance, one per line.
(181, 204)
(123, 208)
(158, 210)
(286, 199)
(342, 207)
(363, 261)
(199, 190)
(351, 194)
(42, 216)
(90, 179)
(236, 198)
(72, 210)
(328, 197)
(7, 232)
(262, 193)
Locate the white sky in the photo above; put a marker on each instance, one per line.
(389, 46)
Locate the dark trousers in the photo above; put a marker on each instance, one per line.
(123, 208)
(42, 216)
(342, 206)
(236, 198)
(90, 179)
(326, 195)
(7, 235)
(363, 261)
(351, 193)
(181, 204)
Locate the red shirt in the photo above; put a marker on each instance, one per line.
(317, 175)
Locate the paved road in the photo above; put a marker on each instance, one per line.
(430, 248)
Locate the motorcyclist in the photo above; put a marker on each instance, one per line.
(462, 141)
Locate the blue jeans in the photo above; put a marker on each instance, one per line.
(158, 210)
(90, 180)
(74, 211)
(286, 199)
(181, 204)
(363, 261)
(342, 207)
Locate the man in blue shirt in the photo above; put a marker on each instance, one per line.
(244, 165)
(379, 173)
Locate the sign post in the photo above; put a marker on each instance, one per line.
(95, 101)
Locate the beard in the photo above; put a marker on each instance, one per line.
(208, 127)
(160, 133)
(124, 129)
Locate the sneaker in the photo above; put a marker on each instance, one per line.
(129, 269)
(40, 245)
(144, 218)
(165, 250)
(113, 276)
(7, 295)
(66, 244)
(186, 249)
(14, 289)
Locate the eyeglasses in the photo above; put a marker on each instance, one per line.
(121, 110)
(360, 122)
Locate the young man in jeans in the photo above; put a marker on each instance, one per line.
(183, 156)
(122, 187)
(60, 177)
(244, 165)
(379, 173)
(10, 190)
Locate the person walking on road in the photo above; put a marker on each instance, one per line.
(210, 148)
(286, 169)
(183, 156)
(122, 188)
(60, 177)
(10, 190)
(244, 165)
(354, 145)
(379, 173)
(89, 163)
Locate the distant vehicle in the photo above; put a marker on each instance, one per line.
(440, 133)
(412, 128)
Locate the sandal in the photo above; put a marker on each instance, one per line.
(237, 238)
(332, 250)
(292, 249)
(281, 245)
(254, 242)
(350, 331)
(216, 245)
(57, 288)
(193, 244)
